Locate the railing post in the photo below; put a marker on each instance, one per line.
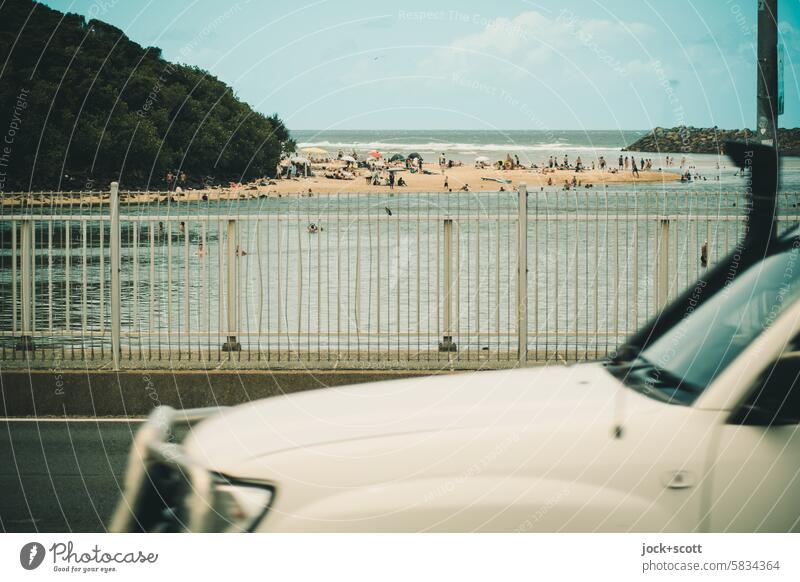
(522, 275)
(232, 345)
(447, 345)
(25, 342)
(114, 243)
(662, 278)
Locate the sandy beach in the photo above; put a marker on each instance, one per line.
(458, 177)
(475, 179)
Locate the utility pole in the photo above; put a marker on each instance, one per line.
(767, 72)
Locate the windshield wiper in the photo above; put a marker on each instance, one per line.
(645, 377)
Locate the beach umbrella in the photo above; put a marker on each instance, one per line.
(414, 155)
(482, 159)
(397, 158)
(299, 160)
(374, 154)
(348, 159)
(314, 151)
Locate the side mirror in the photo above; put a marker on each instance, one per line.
(775, 398)
(752, 415)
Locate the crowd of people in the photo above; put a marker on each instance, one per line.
(387, 170)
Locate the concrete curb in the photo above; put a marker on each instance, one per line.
(136, 392)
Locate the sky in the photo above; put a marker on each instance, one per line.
(463, 64)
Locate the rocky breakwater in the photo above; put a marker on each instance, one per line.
(707, 140)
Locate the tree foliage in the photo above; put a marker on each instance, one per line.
(82, 105)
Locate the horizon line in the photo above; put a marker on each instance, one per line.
(532, 129)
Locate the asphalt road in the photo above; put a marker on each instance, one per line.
(61, 476)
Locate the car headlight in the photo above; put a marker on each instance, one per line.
(237, 506)
(165, 490)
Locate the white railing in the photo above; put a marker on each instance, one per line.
(465, 280)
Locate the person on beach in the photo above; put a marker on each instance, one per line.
(442, 163)
(634, 169)
(516, 160)
(550, 163)
(578, 164)
(201, 251)
(446, 183)
(391, 180)
(620, 161)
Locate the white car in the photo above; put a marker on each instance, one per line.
(695, 431)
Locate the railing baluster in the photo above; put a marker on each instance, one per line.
(522, 275)
(231, 345)
(50, 276)
(116, 297)
(25, 342)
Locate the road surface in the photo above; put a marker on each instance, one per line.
(61, 476)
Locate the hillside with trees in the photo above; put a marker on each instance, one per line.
(82, 105)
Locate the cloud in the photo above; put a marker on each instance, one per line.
(533, 40)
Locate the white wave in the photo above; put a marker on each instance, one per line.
(467, 148)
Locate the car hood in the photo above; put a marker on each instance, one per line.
(507, 398)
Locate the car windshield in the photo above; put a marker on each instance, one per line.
(683, 361)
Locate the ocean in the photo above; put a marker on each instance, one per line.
(469, 142)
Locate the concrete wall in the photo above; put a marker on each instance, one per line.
(136, 393)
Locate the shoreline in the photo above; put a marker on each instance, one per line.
(476, 179)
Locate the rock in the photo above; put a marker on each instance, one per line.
(683, 139)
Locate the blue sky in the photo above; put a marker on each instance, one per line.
(568, 64)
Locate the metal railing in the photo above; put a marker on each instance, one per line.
(456, 280)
